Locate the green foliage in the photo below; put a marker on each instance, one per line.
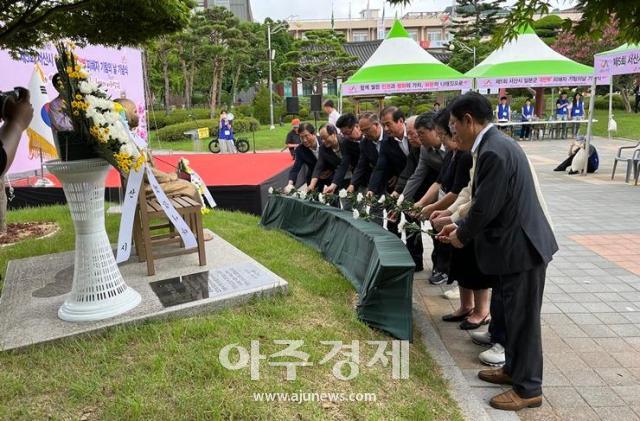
(548, 28)
(27, 25)
(409, 103)
(319, 57)
(261, 105)
(602, 102)
(462, 60)
(158, 120)
(244, 110)
(175, 132)
(476, 18)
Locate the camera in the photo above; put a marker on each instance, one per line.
(4, 96)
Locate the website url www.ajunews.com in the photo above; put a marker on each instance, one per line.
(314, 397)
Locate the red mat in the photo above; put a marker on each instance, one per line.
(216, 170)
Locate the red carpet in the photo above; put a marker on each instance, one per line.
(216, 170)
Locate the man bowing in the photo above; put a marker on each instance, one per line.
(512, 239)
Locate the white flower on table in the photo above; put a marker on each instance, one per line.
(321, 198)
(359, 197)
(400, 200)
(342, 194)
(302, 194)
(401, 230)
(382, 199)
(356, 214)
(270, 190)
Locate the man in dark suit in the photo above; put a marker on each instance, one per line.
(347, 124)
(371, 128)
(394, 150)
(306, 155)
(512, 239)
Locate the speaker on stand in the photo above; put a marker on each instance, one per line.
(316, 106)
(293, 105)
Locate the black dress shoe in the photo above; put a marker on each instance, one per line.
(456, 318)
(467, 325)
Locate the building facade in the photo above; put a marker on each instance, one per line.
(240, 8)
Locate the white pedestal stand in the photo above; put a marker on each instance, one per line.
(98, 291)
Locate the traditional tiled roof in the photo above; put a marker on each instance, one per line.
(365, 49)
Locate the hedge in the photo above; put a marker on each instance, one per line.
(175, 132)
(602, 102)
(158, 119)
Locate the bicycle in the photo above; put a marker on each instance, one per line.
(242, 145)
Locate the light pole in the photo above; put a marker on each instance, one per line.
(272, 53)
(463, 47)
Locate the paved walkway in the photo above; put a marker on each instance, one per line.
(591, 310)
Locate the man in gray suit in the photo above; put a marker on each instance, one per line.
(512, 239)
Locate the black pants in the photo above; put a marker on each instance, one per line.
(416, 249)
(521, 295)
(440, 256)
(525, 131)
(497, 329)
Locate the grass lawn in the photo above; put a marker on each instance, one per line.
(170, 369)
(628, 124)
(266, 139)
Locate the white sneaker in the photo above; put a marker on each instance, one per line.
(481, 338)
(452, 294)
(493, 356)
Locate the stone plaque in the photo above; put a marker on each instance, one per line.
(226, 281)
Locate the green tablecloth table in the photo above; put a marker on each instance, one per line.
(374, 260)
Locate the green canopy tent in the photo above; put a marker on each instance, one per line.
(527, 61)
(401, 66)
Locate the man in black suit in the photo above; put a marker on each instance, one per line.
(350, 148)
(306, 155)
(394, 150)
(371, 128)
(512, 239)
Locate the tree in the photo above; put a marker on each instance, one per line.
(247, 59)
(475, 19)
(583, 50)
(224, 36)
(319, 57)
(548, 28)
(462, 60)
(595, 18)
(28, 24)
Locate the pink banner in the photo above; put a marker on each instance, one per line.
(119, 71)
(538, 81)
(389, 88)
(624, 63)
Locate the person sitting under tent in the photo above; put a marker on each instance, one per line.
(577, 155)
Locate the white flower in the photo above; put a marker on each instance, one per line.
(321, 198)
(367, 210)
(288, 189)
(85, 87)
(400, 200)
(342, 194)
(359, 197)
(385, 220)
(356, 214)
(270, 190)
(302, 194)
(382, 199)
(402, 223)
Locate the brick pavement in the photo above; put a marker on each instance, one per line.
(591, 310)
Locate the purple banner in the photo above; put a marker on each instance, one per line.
(538, 81)
(623, 63)
(388, 88)
(119, 71)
